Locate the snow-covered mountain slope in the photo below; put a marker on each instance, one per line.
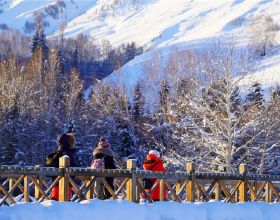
(148, 22)
(158, 25)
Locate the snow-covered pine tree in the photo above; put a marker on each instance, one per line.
(76, 59)
(138, 102)
(255, 96)
(164, 101)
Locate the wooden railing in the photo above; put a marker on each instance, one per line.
(35, 184)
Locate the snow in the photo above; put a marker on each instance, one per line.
(160, 27)
(121, 210)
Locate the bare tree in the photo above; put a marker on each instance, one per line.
(262, 34)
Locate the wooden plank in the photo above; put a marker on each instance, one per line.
(202, 191)
(26, 189)
(89, 193)
(210, 189)
(179, 193)
(226, 192)
(12, 189)
(273, 190)
(141, 189)
(120, 187)
(161, 190)
(89, 185)
(253, 193)
(76, 189)
(111, 191)
(234, 191)
(5, 193)
(49, 189)
(267, 192)
(175, 198)
(260, 189)
(38, 187)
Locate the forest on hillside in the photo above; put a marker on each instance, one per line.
(195, 112)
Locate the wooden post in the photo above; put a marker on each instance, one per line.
(161, 190)
(267, 192)
(217, 190)
(190, 189)
(243, 188)
(64, 162)
(131, 183)
(26, 189)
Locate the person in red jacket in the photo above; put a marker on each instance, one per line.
(153, 163)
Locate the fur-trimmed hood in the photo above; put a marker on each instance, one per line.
(107, 151)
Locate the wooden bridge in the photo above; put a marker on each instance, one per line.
(35, 184)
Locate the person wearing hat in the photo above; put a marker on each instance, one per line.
(66, 145)
(153, 163)
(104, 151)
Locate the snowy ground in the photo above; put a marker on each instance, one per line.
(122, 210)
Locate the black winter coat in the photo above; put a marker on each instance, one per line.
(107, 154)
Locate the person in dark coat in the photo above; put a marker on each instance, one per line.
(66, 145)
(104, 150)
(153, 163)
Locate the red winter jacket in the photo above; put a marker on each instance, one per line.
(153, 163)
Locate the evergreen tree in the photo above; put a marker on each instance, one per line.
(42, 43)
(235, 99)
(76, 59)
(35, 42)
(40, 53)
(255, 96)
(138, 102)
(60, 65)
(164, 99)
(61, 87)
(39, 42)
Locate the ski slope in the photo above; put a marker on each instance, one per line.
(123, 210)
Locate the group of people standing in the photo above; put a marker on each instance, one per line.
(66, 145)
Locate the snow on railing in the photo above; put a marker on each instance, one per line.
(77, 184)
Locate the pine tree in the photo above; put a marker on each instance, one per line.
(42, 43)
(39, 42)
(60, 65)
(61, 86)
(235, 99)
(76, 59)
(35, 42)
(138, 102)
(255, 96)
(164, 100)
(40, 53)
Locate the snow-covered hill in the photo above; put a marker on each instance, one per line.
(147, 22)
(158, 25)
